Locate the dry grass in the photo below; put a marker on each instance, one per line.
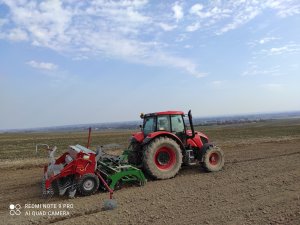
(22, 145)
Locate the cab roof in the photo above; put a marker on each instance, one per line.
(165, 113)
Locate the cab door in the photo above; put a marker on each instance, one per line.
(178, 128)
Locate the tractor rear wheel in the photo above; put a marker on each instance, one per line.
(162, 158)
(88, 184)
(213, 159)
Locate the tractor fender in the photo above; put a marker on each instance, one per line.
(203, 135)
(138, 137)
(155, 135)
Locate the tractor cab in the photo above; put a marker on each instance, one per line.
(169, 122)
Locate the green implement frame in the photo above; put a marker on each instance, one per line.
(120, 174)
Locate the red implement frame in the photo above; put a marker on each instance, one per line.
(105, 184)
(89, 138)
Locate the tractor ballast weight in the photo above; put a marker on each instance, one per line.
(164, 144)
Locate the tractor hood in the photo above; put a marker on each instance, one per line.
(189, 132)
(201, 134)
(198, 141)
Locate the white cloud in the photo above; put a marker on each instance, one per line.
(212, 12)
(114, 29)
(283, 50)
(56, 76)
(284, 8)
(177, 62)
(228, 15)
(254, 71)
(17, 34)
(240, 18)
(267, 39)
(263, 41)
(196, 9)
(167, 27)
(193, 27)
(278, 51)
(178, 12)
(42, 65)
(45, 22)
(181, 37)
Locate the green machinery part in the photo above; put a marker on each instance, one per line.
(123, 158)
(116, 173)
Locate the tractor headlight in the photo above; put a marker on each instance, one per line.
(86, 157)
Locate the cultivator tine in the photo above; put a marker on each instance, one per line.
(46, 193)
(72, 193)
(72, 190)
(142, 183)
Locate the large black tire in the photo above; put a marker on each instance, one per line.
(162, 158)
(88, 184)
(213, 159)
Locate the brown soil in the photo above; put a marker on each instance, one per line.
(260, 184)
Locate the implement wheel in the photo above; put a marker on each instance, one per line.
(213, 159)
(162, 158)
(88, 184)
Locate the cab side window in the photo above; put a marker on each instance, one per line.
(163, 123)
(177, 123)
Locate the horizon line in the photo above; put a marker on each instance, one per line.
(94, 123)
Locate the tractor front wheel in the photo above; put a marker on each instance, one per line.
(88, 184)
(213, 159)
(162, 158)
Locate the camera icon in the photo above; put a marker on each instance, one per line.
(15, 209)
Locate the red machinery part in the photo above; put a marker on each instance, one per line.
(105, 184)
(89, 138)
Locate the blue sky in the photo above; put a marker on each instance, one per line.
(74, 62)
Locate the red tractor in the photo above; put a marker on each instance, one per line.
(165, 143)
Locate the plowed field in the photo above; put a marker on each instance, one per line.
(260, 184)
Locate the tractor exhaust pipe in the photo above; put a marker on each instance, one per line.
(191, 124)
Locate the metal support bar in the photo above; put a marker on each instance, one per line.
(105, 184)
(89, 138)
(36, 147)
